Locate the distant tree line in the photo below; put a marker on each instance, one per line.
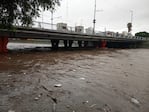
(142, 34)
(23, 11)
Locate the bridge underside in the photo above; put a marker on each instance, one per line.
(67, 39)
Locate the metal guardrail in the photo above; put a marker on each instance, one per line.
(49, 26)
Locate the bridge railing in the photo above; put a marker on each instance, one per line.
(45, 25)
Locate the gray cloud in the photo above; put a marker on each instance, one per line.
(115, 15)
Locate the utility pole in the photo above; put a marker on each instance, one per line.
(51, 18)
(131, 11)
(41, 24)
(94, 20)
(129, 25)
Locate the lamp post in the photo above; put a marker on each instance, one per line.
(129, 25)
(51, 18)
(94, 20)
(131, 12)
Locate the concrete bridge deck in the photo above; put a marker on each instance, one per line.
(68, 37)
(35, 33)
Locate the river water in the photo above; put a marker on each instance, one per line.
(109, 80)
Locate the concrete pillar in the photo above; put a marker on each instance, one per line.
(95, 44)
(55, 44)
(103, 43)
(135, 45)
(85, 44)
(70, 43)
(80, 43)
(65, 44)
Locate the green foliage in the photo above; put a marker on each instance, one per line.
(23, 11)
(142, 34)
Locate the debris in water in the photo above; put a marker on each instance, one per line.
(73, 70)
(11, 111)
(39, 95)
(93, 105)
(135, 101)
(36, 98)
(8, 86)
(131, 64)
(88, 82)
(9, 75)
(68, 106)
(57, 85)
(54, 107)
(46, 89)
(24, 73)
(82, 78)
(54, 100)
(126, 75)
(54, 104)
(9, 58)
(102, 63)
(85, 102)
(107, 108)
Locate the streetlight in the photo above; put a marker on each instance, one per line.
(129, 25)
(94, 20)
(131, 16)
(52, 18)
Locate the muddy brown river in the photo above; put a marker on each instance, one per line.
(110, 80)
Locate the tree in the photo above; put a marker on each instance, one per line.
(23, 11)
(142, 34)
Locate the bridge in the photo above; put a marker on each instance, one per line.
(68, 37)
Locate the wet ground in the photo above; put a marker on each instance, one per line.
(110, 80)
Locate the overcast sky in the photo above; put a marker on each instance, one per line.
(114, 17)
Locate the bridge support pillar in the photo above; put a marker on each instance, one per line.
(3, 44)
(103, 44)
(65, 43)
(54, 44)
(135, 45)
(96, 44)
(85, 44)
(80, 43)
(70, 43)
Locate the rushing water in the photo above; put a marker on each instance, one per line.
(90, 81)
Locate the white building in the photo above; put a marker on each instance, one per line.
(79, 29)
(89, 30)
(62, 27)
